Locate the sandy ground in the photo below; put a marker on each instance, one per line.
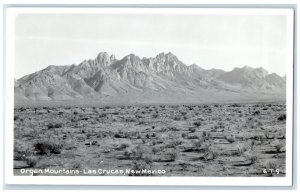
(178, 140)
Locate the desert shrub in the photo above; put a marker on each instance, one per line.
(208, 134)
(278, 146)
(214, 128)
(221, 125)
(47, 147)
(228, 119)
(155, 150)
(31, 161)
(177, 142)
(268, 135)
(281, 135)
(241, 150)
(192, 130)
(171, 129)
(256, 112)
(33, 134)
(122, 146)
(173, 144)
(127, 135)
(52, 126)
(138, 116)
(177, 118)
(183, 113)
(160, 141)
(148, 159)
(205, 147)
(21, 154)
(118, 135)
(251, 144)
(141, 122)
(251, 156)
(137, 153)
(215, 154)
(197, 123)
(102, 115)
(230, 139)
(155, 115)
(115, 113)
(282, 117)
(137, 167)
(172, 155)
(76, 165)
(130, 120)
(153, 143)
(271, 164)
(128, 153)
(198, 143)
(236, 105)
(210, 154)
(192, 137)
(88, 136)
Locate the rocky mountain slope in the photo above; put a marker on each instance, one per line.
(161, 79)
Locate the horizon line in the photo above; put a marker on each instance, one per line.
(165, 53)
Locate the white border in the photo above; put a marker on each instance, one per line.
(110, 180)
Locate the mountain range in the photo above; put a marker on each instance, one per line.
(160, 79)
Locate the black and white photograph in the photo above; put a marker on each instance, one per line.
(152, 93)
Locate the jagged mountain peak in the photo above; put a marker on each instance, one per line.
(275, 74)
(103, 58)
(139, 79)
(168, 56)
(130, 59)
(132, 56)
(261, 71)
(102, 53)
(245, 68)
(112, 58)
(196, 67)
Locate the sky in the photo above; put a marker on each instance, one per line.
(210, 41)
